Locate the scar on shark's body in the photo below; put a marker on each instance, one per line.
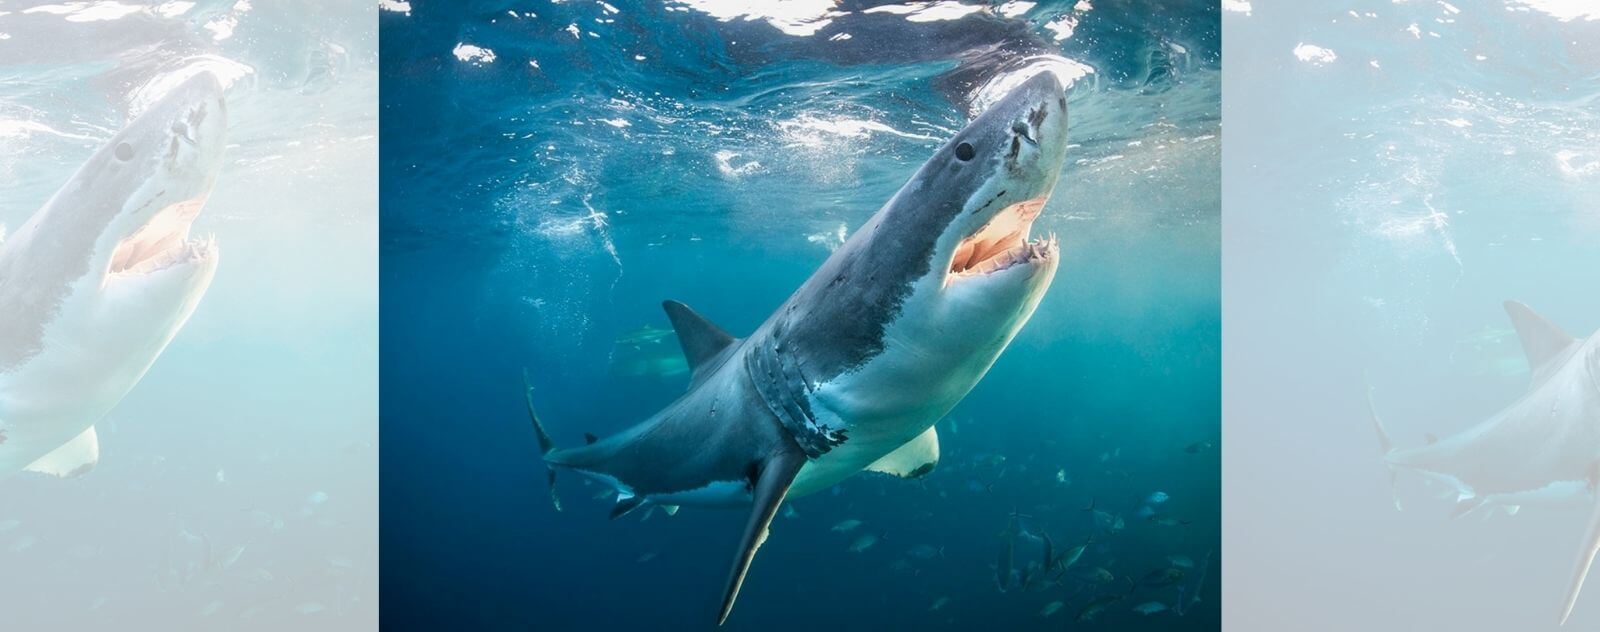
(883, 339)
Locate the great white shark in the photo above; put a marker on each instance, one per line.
(97, 282)
(851, 372)
(1543, 449)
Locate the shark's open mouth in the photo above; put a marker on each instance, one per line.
(1003, 242)
(163, 242)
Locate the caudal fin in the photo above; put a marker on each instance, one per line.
(1386, 444)
(545, 444)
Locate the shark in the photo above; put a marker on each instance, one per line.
(1541, 450)
(99, 280)
(852, 371)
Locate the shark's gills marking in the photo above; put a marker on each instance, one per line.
(784, 390)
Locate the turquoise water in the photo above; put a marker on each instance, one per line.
(236, 487)
(1406, 168)
(544, 191)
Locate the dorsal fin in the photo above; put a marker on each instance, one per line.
(701, 339)
(1542, 340)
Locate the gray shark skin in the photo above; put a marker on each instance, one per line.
(852, 371)
(97, 282)
(1543, 449)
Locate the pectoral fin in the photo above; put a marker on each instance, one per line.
(74, 458)
(1591, 545)
(771, 485)
(914, 459)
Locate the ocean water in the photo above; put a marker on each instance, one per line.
(237, 483)
(552, 172)
(1406, 167)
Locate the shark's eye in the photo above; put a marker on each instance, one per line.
(124, 151)
(965, 152)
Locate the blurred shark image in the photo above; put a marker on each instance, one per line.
(1543, 449)
(97, 283)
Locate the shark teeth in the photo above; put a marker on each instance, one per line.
(185, 252)
(1027, 252)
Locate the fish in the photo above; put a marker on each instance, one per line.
(1545, 433)
(648, 351)
(1073, 554)
(846, 526)
(1096, 606)
(863, 543)
(1199, 446)
(22, 543)
(1051, 608)
(1097, 575)
(1157, 498)
(1162, 577)
(925, 552)
(1150, 607)
(938, 603)
(945, 273)
(102, 278)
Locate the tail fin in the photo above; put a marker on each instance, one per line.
(1386, 444)
(546, 446)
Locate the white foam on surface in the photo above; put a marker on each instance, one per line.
(1313, 54)
(227, 71)
(1564, 10)
(1062, 27)
(102, 11)
(801, 18)
(936, 11)
(1067, 71)
(810, 130)
(472, 54)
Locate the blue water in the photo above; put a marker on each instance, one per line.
(544, 191)
(236, 483)
(1438, 160)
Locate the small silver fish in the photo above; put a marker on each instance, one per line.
(846, 525)
(1051, 608)
(1150, 607)
(863, 543)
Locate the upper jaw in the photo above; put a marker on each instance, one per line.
(1002, 243)
(162, 243)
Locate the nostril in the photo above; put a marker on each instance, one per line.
(1021, 130)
